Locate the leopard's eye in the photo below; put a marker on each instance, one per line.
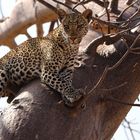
(66, 26)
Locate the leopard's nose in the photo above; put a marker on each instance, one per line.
(73, 38)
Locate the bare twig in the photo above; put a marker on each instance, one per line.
(130, 129)
(129, 20)
(64, 4)
(11, 44)
(107, 68)
(108, 15)
(121, 14)
(131, 50)
(52, 26)
(100, 3)
(3, 19)
(120, 25)
(73, 2)
(1, 10)
(39, 25)
(114, 6)
(119, 62)
(108, 98)
(126, 121)
(114, 88)
(58, 2)
(79, 3)
(26, 33)
(40, 31)
(98, 84)
(127, 29)
(48, 5)
(126, 134)
(101, 79)
(129, 2)
(125, 55)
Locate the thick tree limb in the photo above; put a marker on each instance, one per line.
(20, 19)
(39, 113)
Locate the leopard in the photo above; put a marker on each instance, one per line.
(51, 58)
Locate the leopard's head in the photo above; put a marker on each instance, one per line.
(75, 25)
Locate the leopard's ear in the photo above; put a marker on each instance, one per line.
(87, 14)
(61, 13)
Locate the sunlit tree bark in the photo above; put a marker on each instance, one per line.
(39, 113)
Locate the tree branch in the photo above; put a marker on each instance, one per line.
(114, 100)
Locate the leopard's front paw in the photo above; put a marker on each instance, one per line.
(72, 97)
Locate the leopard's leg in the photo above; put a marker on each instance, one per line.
(52, 78)
(67, 72)
(3, 82)
(67, 75)
(8, 93)
(72, 95)
(74, 62)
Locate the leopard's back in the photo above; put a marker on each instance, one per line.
(23, 63)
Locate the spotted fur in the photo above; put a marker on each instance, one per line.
(50, 58)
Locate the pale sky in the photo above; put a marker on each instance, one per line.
(133, 116)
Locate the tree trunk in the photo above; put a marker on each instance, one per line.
(38, 113)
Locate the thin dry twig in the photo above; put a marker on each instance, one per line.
(127, 29)
(39, 25)
(108, 15)
(130, 129)
(128, 122)
(48, 5)
(107, 98)
(64, 4)
(100, 3)
(79, 3)
(26, 33)
(121, 14)
(83, 2)
(52, 26)
(119, 24)
(1, 10)
(101, 79)
(114, 6)
(131, 50)
(114, 88)
(54, 8)
(40, 31)
(119, 62)
(122, 26)
(105, 72)
(3, 19)
(125, 55)
(129, 20)
(73, 2)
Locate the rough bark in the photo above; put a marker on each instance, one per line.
(37, 113)
(20, 20)
(24, 14)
